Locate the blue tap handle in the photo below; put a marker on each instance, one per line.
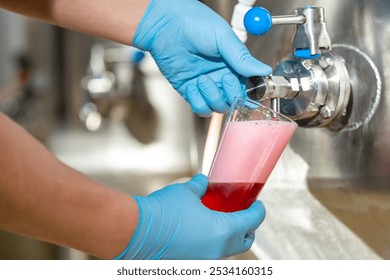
(258, 21)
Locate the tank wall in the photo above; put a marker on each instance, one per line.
(333, 186)
(360, 32)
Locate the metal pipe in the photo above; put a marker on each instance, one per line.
(275, 104)
(285, 20)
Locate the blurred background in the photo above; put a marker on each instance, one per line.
(106, 110)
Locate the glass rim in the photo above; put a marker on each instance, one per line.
(245, 99)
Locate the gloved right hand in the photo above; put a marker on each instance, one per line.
(198, 52)
(174, 224)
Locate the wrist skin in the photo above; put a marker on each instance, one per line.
(115, 20)
(42, 198)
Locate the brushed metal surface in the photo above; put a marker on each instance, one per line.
(343, 179)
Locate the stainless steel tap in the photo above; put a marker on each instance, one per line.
(312, 83)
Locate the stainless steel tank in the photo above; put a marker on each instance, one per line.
(29, 94)
(29, 80)
(329, 196)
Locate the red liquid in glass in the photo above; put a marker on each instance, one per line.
(230, 197)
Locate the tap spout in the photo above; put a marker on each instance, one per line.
(270, 87)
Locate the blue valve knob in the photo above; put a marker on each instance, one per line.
(258, 21)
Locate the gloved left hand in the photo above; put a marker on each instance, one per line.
(174, 224)
(198, 52)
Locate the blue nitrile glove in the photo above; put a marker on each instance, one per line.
(198, 52)
(174, 224)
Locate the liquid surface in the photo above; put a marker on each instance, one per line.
(230, 197)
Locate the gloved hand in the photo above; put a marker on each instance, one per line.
(198, 52)
(174, 224)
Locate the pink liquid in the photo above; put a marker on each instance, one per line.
(246, 157)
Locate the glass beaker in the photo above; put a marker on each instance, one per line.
(254, 138)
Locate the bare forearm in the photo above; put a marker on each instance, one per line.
(42, 198)
(116, 20)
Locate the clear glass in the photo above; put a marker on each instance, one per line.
(254, 138)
